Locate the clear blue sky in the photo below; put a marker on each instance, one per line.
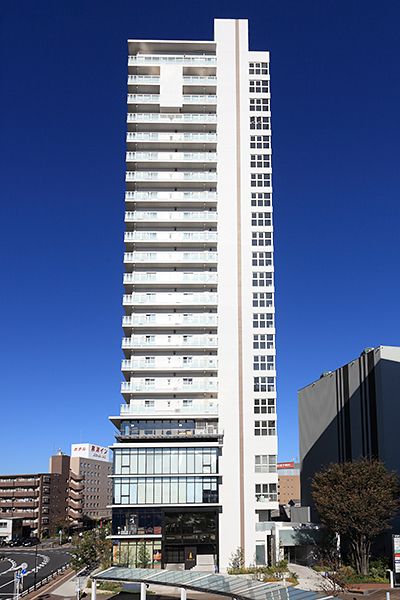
(336, 132)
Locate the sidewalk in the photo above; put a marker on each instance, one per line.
(309, 579)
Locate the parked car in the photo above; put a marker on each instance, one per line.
(33, 541)
(16, 542)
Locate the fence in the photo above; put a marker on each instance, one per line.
(47, 579)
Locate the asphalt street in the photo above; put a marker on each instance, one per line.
(46, 559)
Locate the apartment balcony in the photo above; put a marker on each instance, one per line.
(77, 496)
(18, 493)
(170, 277)
(168, 157)
(148, 59)
(172, 118)
(206, 433)
(170, 299)
(143, 79)
(170, 363)
(157, 137)
(167, 216)
(162, 342)
(169, 407)
(24, 514)
(76, 486)
(171, 257)
(175, 238)
(173, 320)
(170, 176)
(171, 196)
(199, 80)
(267, 498)
(166, 385)
(20, 503)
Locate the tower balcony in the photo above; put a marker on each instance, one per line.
(199, 80)
(169, 237)
(171, 257)
(167, 320)
(143, 79)
(187, 99)
(165, 385)
(210, 432)
(170, 176)
(170, 299)
(159, 137)
(172, 118)
(165, 196)
(143, 156)
(170, 363)
(153, 59)
(170, 277)
(163, 342)
(169, 407)
(167, 216)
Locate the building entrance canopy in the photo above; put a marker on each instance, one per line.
(225, 585)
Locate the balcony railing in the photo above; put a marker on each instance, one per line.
(143, 79)
(143, 136)
(171, 156)
(163, 215)
(170, 341)
(174, 384)
(206, 432)
(170, 257)
(172, 320)
(170, 363)
(143, 98)
(199, 99)
(170, 236)
(266, 497)
(174, 298)
(173, 117)
(160, 59)
(199, 80)
(172, 277)
(168, 195)
(171, 176)
(168, 407)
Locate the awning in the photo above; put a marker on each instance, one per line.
(226, 585)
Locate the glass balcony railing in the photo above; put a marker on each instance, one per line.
(172, 156)
(145, 136)
(168, 406)
(167, 195)
(199, 99)
(172, 277)
(199, 80)
(170, 363)
(204, 432)
(143, 79)
(170, 320)
(170, 257)
(172, 298)
(173, 384)
(173, 117)
(143, 98)
(170, 341)
(163, 215)
(170, 236)
(171, 176)
(154, 59)
(266, 497)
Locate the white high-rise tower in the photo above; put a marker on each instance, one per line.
(195, 458)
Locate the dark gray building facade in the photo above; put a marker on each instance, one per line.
(350, 413)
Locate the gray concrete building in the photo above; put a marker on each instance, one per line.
(350, 413)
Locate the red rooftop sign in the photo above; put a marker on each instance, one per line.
(288, 465)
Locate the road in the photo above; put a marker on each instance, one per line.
(47, 560)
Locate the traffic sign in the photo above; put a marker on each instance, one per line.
(23, 572)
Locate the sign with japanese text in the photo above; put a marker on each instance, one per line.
(90, 451)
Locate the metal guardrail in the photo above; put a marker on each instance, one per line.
(43, 582)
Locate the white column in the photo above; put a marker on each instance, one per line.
(183, 593)
(142, 591)
(94, 589)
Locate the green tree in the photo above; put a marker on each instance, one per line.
(85, 553)
(236, 559)
(143, 558)
(357, 500)
(104, 545)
